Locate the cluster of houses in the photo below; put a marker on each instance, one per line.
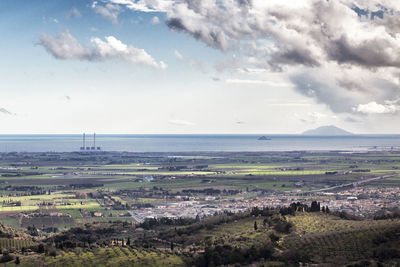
(358, 201)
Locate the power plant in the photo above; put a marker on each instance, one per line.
(89, 148)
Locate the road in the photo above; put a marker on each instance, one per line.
(351, 184)
(137, 218)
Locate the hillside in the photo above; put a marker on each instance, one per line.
(328, 239)
(260, 237)
(327, 131)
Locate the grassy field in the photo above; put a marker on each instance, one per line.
(237, 233)
(11, 222)
(62, 201)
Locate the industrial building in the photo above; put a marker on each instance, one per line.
(89, 148)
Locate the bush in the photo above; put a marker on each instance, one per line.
(386, 253)
(294, 255)
(283, 227)
(6, 257)
(52, 252)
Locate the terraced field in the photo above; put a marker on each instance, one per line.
(320, 223)
(114, 256)
(13, 243)
(324, 237)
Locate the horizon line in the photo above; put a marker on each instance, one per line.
(256, 134)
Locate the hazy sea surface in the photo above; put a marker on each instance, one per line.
(197, 143)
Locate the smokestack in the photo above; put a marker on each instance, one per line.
(94, 141)
(83, 142)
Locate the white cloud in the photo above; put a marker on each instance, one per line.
(155, 20)
(73, 13)
(331, 53)
(251, 70)
(178, 55)
(108, 11)
(268, 83)
(163, 65)
(299, 32)
(315, 117)
(194, 64)
(146, 5)
(181, 122)
(66, 46)
(375, 108)
(5, 111)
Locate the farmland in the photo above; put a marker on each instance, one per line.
(147, 209)
(78, 185)
(116, 256)
(325, 238)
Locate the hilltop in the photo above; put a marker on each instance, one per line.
(327, 131)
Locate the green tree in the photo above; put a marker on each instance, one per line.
(40, 248)
(326, 209)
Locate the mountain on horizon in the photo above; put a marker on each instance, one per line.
(330, 130)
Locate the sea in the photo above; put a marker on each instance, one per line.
(198, 143)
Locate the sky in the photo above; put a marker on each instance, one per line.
(199, 67)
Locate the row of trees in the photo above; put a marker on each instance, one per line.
(226, 255)
(299, 207)
(151, 223)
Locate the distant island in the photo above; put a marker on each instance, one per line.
(264, 138)
(330, 130)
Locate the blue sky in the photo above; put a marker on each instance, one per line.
(188, 67)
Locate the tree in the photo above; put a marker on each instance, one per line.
(255, 226)
(40, 248)
(315, 206)
(52, 252)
